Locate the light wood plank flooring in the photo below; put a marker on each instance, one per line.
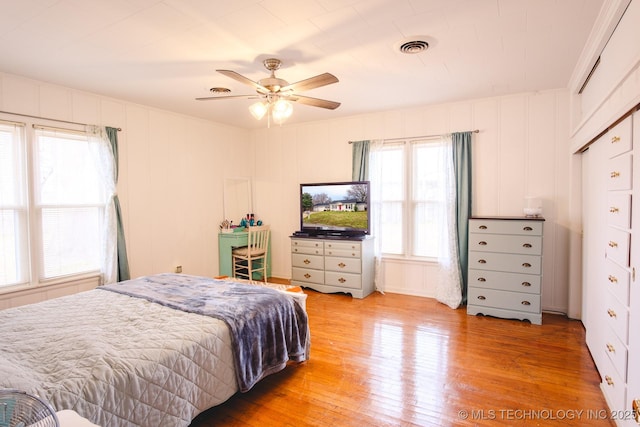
(396, 360)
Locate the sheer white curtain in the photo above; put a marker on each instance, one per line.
(375, 178)
(449, 285)
(103, 156)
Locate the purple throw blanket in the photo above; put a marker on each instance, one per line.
(267, 327)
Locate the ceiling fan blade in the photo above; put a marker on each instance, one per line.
(311, 83)
(245, 80)
(314, 102)
(209, 98)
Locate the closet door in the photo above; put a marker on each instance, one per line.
(594, 199)
(633, 370)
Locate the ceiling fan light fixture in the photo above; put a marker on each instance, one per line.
(281, 110)
(259, 109)
(276, 94)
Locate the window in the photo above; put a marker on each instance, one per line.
(51, 219)
(14, 253)
(412, 197)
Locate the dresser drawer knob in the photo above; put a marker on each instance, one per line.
(481, 279)
(482, 261)
(613, 279)
(526, 265)
(527, 228)
(482, 297)
(527, 245)
(342, 265)
(482, 243)
(611, 348)
(615, 139)
(342, 280)
(525, 303)
(612, 313)
(608, 379)
(614, 174)
(307, 261)
(483, 227)
(526, 284)
(613, 244)
(613, 209)
(307, 275)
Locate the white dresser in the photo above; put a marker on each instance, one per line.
(505, 267)
(329, 265)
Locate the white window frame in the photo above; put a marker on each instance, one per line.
(33, 259)
(20, 205)
(407, 201)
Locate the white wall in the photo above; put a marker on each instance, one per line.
(522, 149)
(172, 169)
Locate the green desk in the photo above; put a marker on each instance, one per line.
(226, 243)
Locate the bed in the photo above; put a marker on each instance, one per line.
(153, 351)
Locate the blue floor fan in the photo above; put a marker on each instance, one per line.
(19, 409)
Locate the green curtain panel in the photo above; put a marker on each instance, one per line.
(462, 169)
(360, 160)
(123, 262)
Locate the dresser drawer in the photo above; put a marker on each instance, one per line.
(514, 282)
(617, 317)
(307, 247)
(619, 139)
(619, 171)
(618, 281)
(343, 280)
(348, 265)
(505, 243)
(617, 352)
(346, 253)
(307, 275)
(504, 300)
(527, 264)
(618, 242)
(341, 246)
(307, 261)
(613, 386)
(619, 210)
(496, 226)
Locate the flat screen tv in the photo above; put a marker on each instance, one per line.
(335, 209)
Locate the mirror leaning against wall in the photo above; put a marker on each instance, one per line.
(237, 199)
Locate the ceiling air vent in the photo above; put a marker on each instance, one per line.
(220, 90)
(414, 46)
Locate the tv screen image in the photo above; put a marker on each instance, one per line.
(335, 208)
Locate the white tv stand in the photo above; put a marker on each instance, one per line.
(333, 265)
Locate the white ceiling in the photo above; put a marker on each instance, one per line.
(164, 53)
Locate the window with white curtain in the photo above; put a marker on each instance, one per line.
(52, 203)
(14, 248)
(411, 197)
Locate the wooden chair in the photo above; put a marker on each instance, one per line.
(253, 257)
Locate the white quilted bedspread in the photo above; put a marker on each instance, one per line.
(131, 363)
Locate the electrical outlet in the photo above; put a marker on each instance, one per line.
(179, 269)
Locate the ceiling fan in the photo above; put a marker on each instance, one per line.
(276, 93)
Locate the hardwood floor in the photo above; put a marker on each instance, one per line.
(396, 360)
